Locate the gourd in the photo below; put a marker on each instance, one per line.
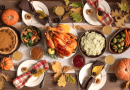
(122, 69)
(6, 63)
(10, 17)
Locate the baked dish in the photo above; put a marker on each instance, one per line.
(8, 40)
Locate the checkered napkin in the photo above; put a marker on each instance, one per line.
(20, 81)
(106, 18)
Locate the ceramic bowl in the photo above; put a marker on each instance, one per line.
(110, 48)
(39, 34)
(91, 56)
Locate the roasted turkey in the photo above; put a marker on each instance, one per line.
(64, 43)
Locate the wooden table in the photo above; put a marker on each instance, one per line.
(49, 84)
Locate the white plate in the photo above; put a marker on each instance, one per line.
(86, 71)
(33, 81)
(33, 22)
(92, 19)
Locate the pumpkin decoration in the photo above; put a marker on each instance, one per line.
(6, 63)
(10, 17)
(122, 69)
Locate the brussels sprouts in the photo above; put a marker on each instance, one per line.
(122, 43)
(118, 45)
(115, 50)
(120, 50)
(120, 40)
(123, 35)
(114, 40)
(114, 47)
(118, 36)
(112, 44)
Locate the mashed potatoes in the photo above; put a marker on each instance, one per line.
(92, 43)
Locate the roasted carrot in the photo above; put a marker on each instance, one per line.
(126, 38)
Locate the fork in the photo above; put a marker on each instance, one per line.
(77, 76)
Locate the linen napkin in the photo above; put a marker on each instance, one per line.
(21, 80)
(28, 7)
(86, 84)
(106, 18)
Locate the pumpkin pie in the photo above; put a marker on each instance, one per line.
(8, 40)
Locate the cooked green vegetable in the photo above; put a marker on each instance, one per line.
(120, 50)
(114, 40)
(114, 47)
(115, 50)
(123, 35)
(122, 43)
(112, 44)
(118, 36)
(118, 45)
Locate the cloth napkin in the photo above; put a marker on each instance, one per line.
(21, 80)
(86, 84)
(28, 7)
(106, 18)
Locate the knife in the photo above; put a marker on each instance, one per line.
(82, 1)
(42, 84)
(77, 76)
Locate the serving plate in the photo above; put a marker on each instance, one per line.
(92, 19)
(91, 56)
(86, 72)
(38, 6)
(110, 49)
(33, 81)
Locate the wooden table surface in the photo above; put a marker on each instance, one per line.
(49, 84)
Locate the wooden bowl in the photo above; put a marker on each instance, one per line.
(110, 49)
(25, 29)
(84, 53)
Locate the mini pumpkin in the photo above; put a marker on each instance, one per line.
(122, 69)
(6, 63)
(10, 17)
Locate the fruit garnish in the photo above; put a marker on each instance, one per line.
(39, 72)
(42, 14)
(51, 51)
(25, 40)
(78, 61)
(33, 38)
(66, 27)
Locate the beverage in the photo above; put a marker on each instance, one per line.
(59, 11)
(109, 59)
(17, 55)
(107, 30)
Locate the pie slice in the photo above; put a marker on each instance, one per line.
(8, 40)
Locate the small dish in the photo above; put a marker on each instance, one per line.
(31, 36)
(110, 48)
(91, 56)
(36, 53)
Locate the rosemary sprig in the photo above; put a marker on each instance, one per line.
(55, 56)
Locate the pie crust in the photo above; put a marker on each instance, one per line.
(8, 40)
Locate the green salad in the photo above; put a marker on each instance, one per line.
(31, 36)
